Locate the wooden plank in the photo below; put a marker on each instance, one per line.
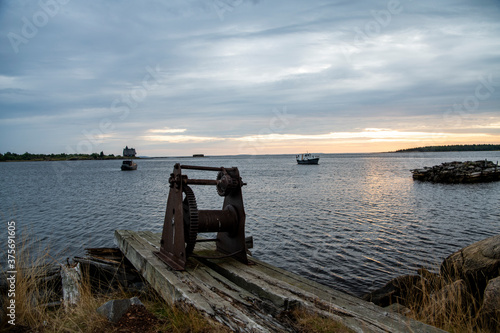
(198, 286)
(284, 288)
(250, 297)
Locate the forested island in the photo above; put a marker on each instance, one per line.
(480, 147)
(8, 156)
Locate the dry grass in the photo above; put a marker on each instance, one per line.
(33, 316)
(446, 303)
(308, 322)
(176, 320)
(34, 293)
(451, 309)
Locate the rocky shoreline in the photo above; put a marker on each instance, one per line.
(468, 281)
(459, 172)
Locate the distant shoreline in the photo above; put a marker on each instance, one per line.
(451, 148)
(28, 157)
(75, 160)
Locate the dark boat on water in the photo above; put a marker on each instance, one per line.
(307, 159)
(129, 165)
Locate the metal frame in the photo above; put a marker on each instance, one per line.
(183, 221)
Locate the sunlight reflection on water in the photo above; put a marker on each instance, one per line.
(352, 222)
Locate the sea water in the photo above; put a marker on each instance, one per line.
(352, 222)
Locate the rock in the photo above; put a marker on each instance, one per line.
(491, 300)
(398, 308)
(395, 291)
(406, 289)
(468, 278)
(113, 310)
(459, 172)
(476, 264)
(135, 301)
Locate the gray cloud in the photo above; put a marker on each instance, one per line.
(225, 65)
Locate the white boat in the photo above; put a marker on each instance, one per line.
(307, 158)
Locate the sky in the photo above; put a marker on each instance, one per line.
(228, 77)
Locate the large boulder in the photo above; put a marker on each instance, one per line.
(405, 289)
(453, 298)
(467, 290)
(476, 263)
(491, 302)
(395, 291)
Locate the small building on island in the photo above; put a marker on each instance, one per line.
(129, 152)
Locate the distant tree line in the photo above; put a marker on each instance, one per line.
(481, 147)
(8, 156)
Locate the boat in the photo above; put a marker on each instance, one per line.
(129, 165)
(307, 159)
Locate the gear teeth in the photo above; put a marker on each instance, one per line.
(190, 201)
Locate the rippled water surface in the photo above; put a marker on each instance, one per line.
(352, 222)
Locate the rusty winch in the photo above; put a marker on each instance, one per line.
(183, 221)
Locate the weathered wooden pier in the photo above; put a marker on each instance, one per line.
(251, 298)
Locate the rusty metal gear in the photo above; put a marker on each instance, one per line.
(225, 183)
(190, 219)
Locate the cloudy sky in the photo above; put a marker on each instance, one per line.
(223, 77)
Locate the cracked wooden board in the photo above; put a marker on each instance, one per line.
(232, 306)
(251, 298)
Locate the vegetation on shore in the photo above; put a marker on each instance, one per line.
(38, 310)
(453, 308)
(461, 297)
(34, 313)
(8, 156)
(474, 147)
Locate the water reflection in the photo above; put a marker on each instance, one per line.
(351, 222)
